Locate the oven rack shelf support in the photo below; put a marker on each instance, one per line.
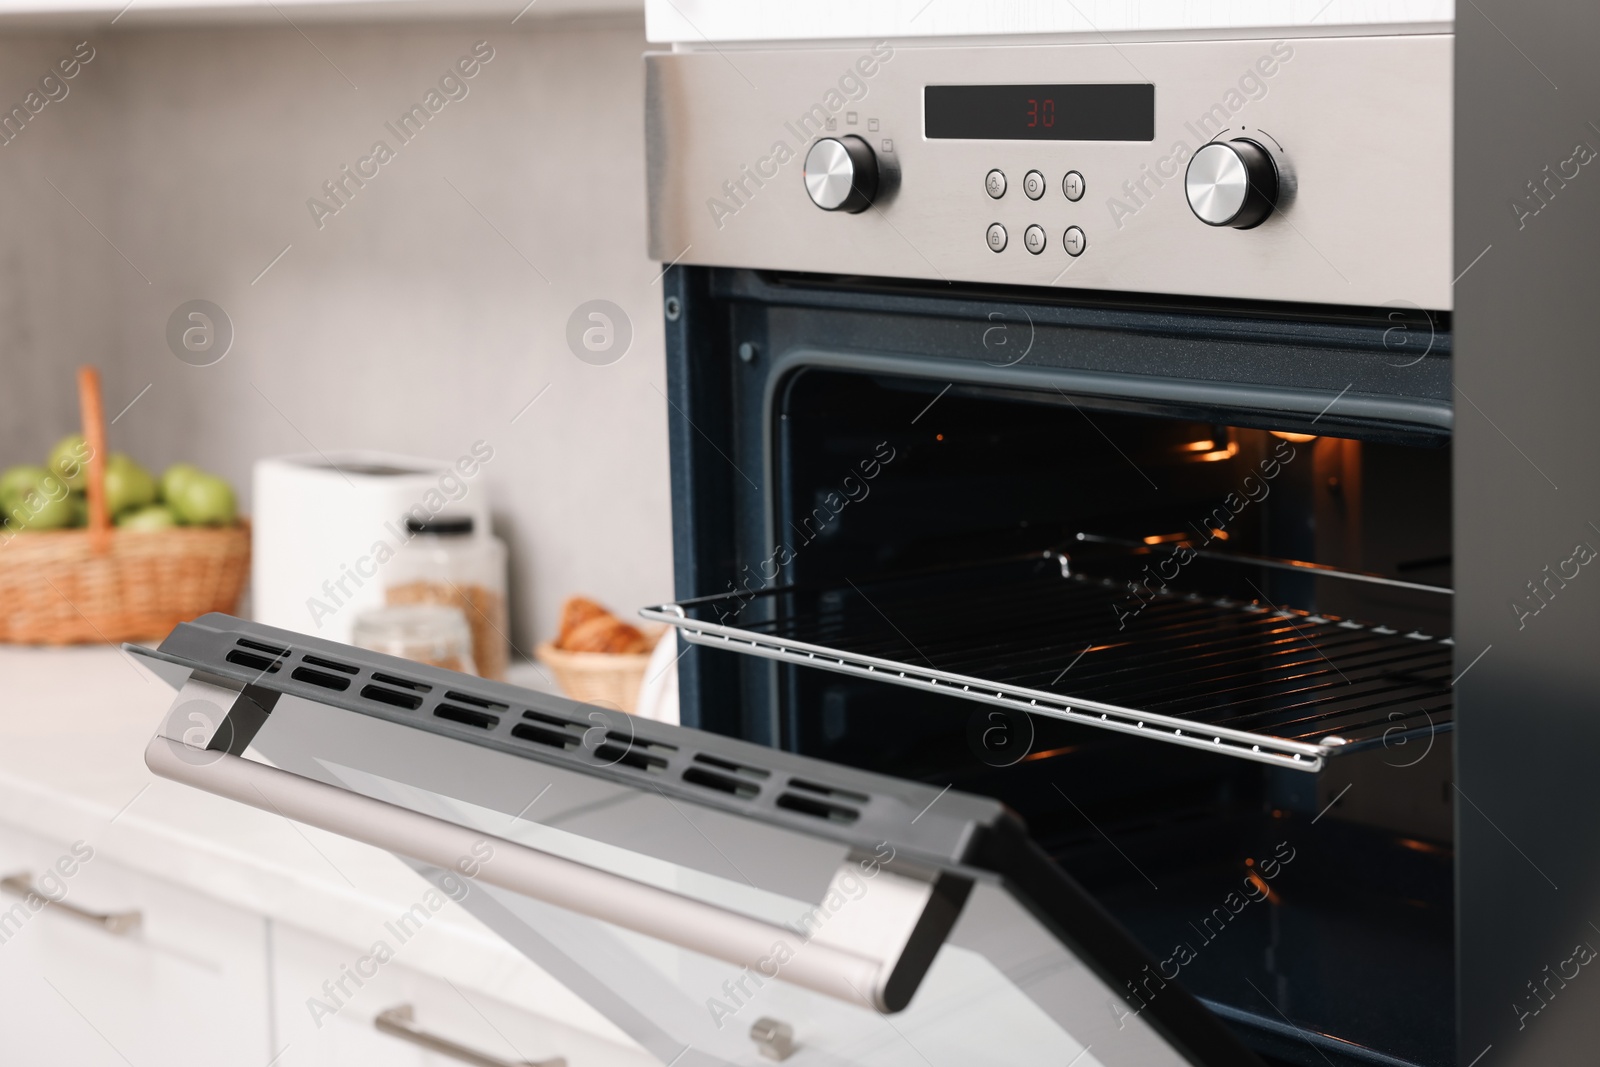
(1262, 748)
(1301, 754)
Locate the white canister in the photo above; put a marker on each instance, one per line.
(324, 528)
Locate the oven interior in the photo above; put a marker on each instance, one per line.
(1314, 911)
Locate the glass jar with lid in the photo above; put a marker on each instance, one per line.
(448, 562)
(435, 634)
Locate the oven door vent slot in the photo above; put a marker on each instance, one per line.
(332, 665)
(539, 735)
(817, 808)
(402, 683)
(477, 702)
(313, 676)
(552, 720)
(630, 756)
(733, 768)
(467, 716)
(722, 783)
(261, 646)
(409, 701)
(254, 662)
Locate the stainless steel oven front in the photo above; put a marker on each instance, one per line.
(1314, 169)
(1071, 424)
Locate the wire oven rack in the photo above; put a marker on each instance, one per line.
(1250, 679)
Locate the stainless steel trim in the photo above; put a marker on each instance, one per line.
(1364, 122)
(398, 1022)
(119, 923)
(821, 963)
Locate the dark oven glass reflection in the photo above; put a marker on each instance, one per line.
(1152, 560)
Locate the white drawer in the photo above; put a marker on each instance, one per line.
(327, 997)
(185, 984)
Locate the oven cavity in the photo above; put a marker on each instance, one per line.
(1201, 647)
(1275, 595)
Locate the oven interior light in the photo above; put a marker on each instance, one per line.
(1200, 446)
(1297, 438)
(1181, 538)
(1220, 453)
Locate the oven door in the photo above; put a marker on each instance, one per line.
(719, 901)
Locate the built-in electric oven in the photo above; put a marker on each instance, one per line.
(1061, 444)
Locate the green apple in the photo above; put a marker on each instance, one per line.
(69, 460)
(204, 500)
(128, 485)
(46, 505)
(17, 482)
(173, 478)
(149, 517)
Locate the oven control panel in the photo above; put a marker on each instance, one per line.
(1227, 183)
(1205, 168)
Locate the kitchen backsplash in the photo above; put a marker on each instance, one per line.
(398, 223)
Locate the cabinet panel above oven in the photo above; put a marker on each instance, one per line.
(1312, 170)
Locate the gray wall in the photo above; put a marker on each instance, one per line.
(409, 321)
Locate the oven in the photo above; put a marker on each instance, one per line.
(1062, 457)
(1039, 470)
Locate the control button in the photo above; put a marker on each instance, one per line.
(1232, 183)
(997, 237)
(995, 184)
(841, 174)
(1075, 241)
(1033, 184)
(1033, 239)
(1072, 185)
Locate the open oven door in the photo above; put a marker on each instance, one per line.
(719, 901)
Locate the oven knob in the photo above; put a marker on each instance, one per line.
(841, 174)
(1232, 183)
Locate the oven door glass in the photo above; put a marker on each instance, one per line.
(1001, 987)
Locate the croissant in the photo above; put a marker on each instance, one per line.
(603, 633)
(574, 613)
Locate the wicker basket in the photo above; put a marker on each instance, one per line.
(106, 584)
(604, 678)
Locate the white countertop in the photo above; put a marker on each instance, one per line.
(72, 735)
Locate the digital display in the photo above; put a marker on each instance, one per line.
(1040, 112)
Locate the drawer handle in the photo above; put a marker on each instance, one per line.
(112, 922)
(399, 1021)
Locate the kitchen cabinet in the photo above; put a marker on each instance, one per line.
(227, 898)
(164, 976)
(328, 996)
(144, 971)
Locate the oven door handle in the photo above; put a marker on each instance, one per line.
(877, 972)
